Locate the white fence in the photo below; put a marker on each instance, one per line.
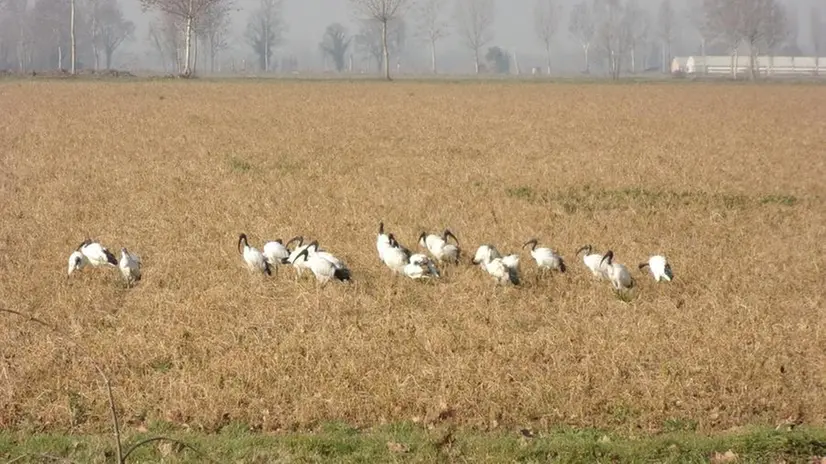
(765, 65)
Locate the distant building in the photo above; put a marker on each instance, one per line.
(765, 65)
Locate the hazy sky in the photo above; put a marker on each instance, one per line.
(514, 30)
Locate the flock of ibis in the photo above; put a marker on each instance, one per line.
(441, 249)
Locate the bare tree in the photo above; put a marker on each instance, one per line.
(581, 25)
(725, 21)
(335, 44)
(696, 14)
(165, 37)
(432, 26)
(265, 31)
(190, 12)
(382, 12)
(612, 32)
(15, 31)
(113, 28)
(760, 19)
(546, 22)
(474, 20)
(374, 38)
(666, 31)
(214, 31)
(777, 30)
(637, 24)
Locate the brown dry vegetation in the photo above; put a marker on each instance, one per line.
(728, 181)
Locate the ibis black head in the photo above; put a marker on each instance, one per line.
(422, 238)
(609, 256)
(381, 228)
(587, 249)
(242, 239)
(447, 233)
(297, 238)
(533, 242)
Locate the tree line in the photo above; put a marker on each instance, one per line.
(618, 34)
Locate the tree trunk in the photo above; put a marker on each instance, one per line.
(59, 57)
(266, 46)
(188, 46)
(212, 53)
(384, 51)
(433, 56)
(587, 61)
(95, 50)
(633, 60)
(735, 63)
(476, 60)
(705, 64)
(548, 56)
(72, 34)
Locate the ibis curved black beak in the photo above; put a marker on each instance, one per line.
(241, 239)
(532, 242)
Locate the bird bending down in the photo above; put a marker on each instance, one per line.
(485, 253)
(396, 256)
(96, 254)
(298, 261)
(593, 261)
(276, 253)
(420, 267)
(382, 241)
(618, 274)
(659, 267)
(503, 270)
(253, 257)
(130, 267)
(323, 267)
(77, 261)
(439, 247)
(546, 258)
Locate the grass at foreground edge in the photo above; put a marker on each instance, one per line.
(413, 443)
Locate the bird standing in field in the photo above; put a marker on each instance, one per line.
(618, 274)
(503, 270)
(382, 241)
(275, 253)
(659, 267)
(485, 253)
(546, 258)
(130, 267)
(324, 266)
(396, 256)
(594, 262)
(253, 257)
(77, 261)
(439, 247)
(420, 267)
(96, 254)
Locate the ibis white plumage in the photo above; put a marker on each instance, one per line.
(485, 253)
(396, 256)
(298, 260)
(382, 241)
(546, 258)
(324, 268)
(420, 267)
(439, 247)
(130, 267)
(503, 270)
(253, 257)
(276, 253)
(77, 261)
(618, 274)
(659, 267)
(593, 261)
(97, 254)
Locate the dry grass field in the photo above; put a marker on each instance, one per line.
(726, 180)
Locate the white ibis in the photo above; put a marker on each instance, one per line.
(659, 267)
(253, 257)
(130, 267)
(323, 268)
(439, 247)
(618, 274)
(485, 253)
(546, 258)
(420, 267)
(593, 261)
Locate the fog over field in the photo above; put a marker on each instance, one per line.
(300, 26)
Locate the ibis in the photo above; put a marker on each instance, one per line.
(439, 247)
(618, 274)
(593, 261)
(323, 268)
(659, 267)
(420, 267)
(253, 257)
(485, 253)
(546, 258)
(130, 267)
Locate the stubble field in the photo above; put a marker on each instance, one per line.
(726, 180)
